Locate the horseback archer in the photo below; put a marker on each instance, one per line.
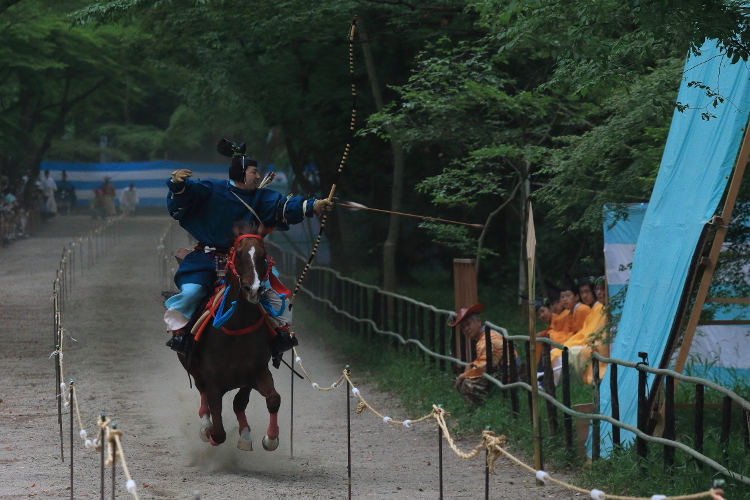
(208, 210)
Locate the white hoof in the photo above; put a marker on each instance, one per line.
(270, 444)
(205, 426)
(246, 440)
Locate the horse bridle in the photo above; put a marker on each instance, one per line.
(233, 254)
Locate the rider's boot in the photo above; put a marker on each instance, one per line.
(180, 341)
(282, 342)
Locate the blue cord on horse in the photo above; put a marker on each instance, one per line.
(229, 218)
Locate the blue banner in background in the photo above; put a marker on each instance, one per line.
(149, 177)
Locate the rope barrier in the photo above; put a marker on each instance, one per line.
(68, 393)
(494, 445)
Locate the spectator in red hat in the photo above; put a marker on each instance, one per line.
(470, 384)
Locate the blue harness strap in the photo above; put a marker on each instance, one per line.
(222, 317)
(269, 307)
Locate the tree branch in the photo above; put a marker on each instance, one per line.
(480, 241)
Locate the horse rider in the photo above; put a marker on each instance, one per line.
(208, 209)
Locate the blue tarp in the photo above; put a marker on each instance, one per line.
(696, 165)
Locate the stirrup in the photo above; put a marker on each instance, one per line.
(180, 343)
(282, 342)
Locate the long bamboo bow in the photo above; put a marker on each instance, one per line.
(341, 164)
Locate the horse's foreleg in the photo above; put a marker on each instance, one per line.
(273, 402)
(239, 405)
(204, 412)
(216, 434)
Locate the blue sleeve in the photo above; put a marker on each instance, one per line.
(182, 198)
(289, 210)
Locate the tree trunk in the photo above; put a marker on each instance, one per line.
(394, 227)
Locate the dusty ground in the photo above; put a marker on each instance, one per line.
(121, 367)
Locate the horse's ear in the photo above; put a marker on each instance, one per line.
(262, 230)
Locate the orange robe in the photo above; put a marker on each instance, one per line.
(559, 328)
(577, 318)
(480, 363)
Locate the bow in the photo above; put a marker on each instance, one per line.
(341, 164)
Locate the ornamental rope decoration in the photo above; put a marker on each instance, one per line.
(341, 164)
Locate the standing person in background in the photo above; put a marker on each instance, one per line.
(66, 194)
(128, 199)
(49, 187)
(107, 198)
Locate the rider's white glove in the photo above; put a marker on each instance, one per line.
(179, 176)
(321, 206)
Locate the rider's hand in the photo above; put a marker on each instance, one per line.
(179, 176)
(321, 206)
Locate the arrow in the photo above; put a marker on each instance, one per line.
(358, 206)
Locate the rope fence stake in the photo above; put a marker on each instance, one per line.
(72, 382)
(348, 433)
(440, 458)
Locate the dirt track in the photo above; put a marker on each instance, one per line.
(121, 367)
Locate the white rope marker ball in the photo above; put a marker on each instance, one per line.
(315, 385)
(407, 423)
(298, 360)
(82, 433)
(89, 444)
(130, 485)
(67, 403)
(597, 495)
(62, 386)
(542, 476)
(334, 386)
(658, 497)
(386, 419)
(355, 391)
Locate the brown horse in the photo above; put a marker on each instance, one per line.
(236, 355)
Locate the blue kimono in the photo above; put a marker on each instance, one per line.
(208, 209)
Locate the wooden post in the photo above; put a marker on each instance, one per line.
(536, 424)
(615, 398)
(465, 295)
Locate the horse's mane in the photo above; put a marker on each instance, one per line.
(246, 227)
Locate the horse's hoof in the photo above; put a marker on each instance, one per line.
(204, 428)
(211, 440)
(270, 444)
(246, 440)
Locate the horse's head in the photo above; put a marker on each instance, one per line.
(247, 260)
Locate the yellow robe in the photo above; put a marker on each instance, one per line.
(581, 344)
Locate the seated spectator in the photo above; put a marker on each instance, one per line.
(581, 344)
(559, 327)
(472, 386)
(570, 297)
(586, 291)
(598, 340)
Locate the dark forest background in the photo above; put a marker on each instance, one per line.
(466, 109)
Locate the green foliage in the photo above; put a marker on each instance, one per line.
(52, 71)
(617, 160)
(610, 43)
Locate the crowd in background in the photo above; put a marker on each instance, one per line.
(23, 202)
